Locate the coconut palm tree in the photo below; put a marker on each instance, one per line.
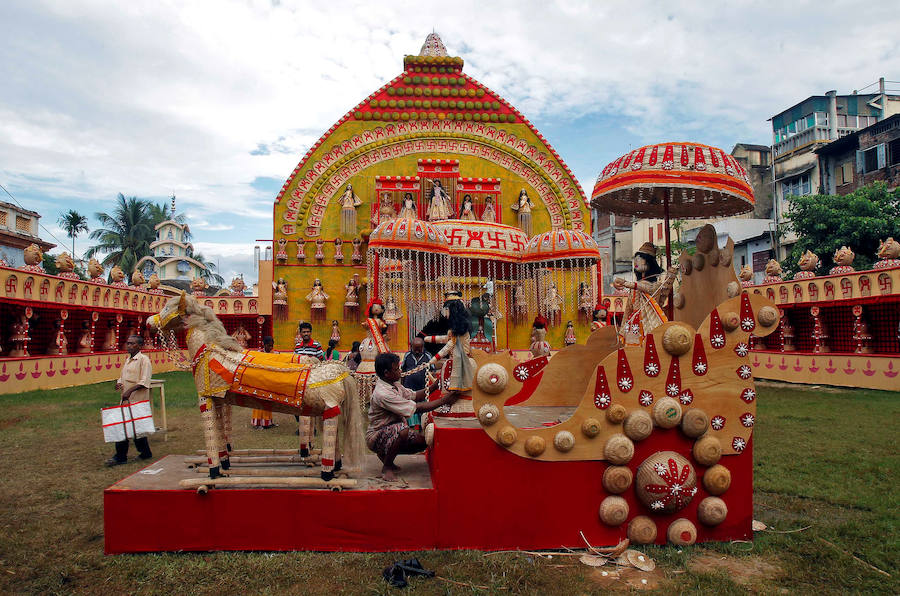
(209, 273)
(73, 223)
(161, 212)
(126, 236)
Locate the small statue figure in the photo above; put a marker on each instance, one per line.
(242, 336)
(808, 263)
(137, 279)
(773, 272)
(301, 250)
(643, 313)
(374, 343)
(467, 209)
(746, 276)
(351, 299)
(317, 299)
(198, 286)
(338, 250)
(585, 301)
(356, 257)
(520, 302)
(787, 334)
(539, 345)
(111, 339)
(409, 210)
(490, 213)
(19, 337)
(598, 318)
(84, 340)
(439, 209)
(569, 337)
(59, 344)
(238, 286)
(888, 254)
(320, 249)
(553, 303)
(386, 211)
(335, 333)
(34, 258)
(392, 312)
(281, 254)
(66, 266)
(523, 206)
(95, 270)
(117, 277)
(843, 261)
(349, 202)
(153, 284)
(280, 299)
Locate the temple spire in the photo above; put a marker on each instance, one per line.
(433, 46)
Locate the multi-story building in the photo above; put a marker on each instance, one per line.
(860, 158)
(613, 236)
(171, 255)
(798, 131)
(18, 229)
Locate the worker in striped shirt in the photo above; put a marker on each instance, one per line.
(305, 345)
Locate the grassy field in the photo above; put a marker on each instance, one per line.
(826, 484)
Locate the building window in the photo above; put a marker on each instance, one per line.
(894, 152)
(23, 224)
(3, 216)
(871, 159)
(659, 230)
(845, 173)
(651, 233)
(796, 186)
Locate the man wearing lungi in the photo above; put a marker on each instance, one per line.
(134, 385)
(389, 434)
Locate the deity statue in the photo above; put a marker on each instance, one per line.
(523, 206)
(242, 336)
(467, 209)
(356, 257)
(746, 276)
(392, 312)
(281, 254)
(585, 301)
(349, 202)
(198, 286)
(59, 345)
(808, 263)
(153, 284)
(34, 258)
(137, 279)
(111, 339)
(599, 318)
(539, 345)
(374, 343)
(888, 254)
(335, 332)
(117, 277)
(84, 340)
(553, 303)
(95, 270)
(520, 302)
(409, 210)
(439, 209)
(19, 337)
(351, 298)
(238, 286)
(386, 211)
(843, 261)
(773, 272)
(317, 298)
(338, 250)
(320, 249)
(569, 337)
(643, 312)
(490, 213)
(280, 299)
(457, 348)
(66, 266)
(301, 250)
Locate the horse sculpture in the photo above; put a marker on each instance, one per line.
(225, 375)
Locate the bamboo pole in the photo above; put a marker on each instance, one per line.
(288, 459)
(204, 484)
(264, 452)
(270, 472)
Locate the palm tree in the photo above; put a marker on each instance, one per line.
(73, 223)
(126, 236)
(209, 274)
(161, 212)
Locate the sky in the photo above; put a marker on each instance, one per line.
(217, 101)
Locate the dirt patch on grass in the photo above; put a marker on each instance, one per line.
(627, 578)
(742, 570)
(4, 424)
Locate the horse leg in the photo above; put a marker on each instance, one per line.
(226, 416)
(209, 433)
(329, 447)
(306, 435)
(220, 435)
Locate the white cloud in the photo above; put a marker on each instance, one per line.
(203, 98)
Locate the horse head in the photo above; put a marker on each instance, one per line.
(172, 315)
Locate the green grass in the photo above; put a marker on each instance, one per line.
(825, 459)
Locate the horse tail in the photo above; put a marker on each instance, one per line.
(352, 430)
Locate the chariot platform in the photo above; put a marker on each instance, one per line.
(468, 492)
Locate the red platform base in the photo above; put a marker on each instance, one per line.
(478, 496)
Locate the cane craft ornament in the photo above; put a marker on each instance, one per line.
(808, 264)
(280, 299)
(746, 276)
(95, 270)
(66, 266)
(349, 202)
(843, 261)
(888, 254)
(773, 272)
(317, 298)
(523, 206)
(33, 257)
(117, 277)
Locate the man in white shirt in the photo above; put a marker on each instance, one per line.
(389, 434)
(134, 385)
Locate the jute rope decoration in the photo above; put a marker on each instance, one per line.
(638, 425)
(717, 479)
(712, 511)
(682, 532)
(707, 450)
(666, 412)
(614, 511)
(617, 479)
(666, 482)
(642, 530)
(694, 422)
(618, 449)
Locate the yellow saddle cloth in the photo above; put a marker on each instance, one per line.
(280, 378)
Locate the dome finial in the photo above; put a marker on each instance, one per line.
(433, 46)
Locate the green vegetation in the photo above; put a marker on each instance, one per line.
(826, 474)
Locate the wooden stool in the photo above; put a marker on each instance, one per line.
(161, 385)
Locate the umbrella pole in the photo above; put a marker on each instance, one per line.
(669, 305)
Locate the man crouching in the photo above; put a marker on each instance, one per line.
(389, 434)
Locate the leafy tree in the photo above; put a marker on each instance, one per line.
(859, 220)
(161, 212)
(49, 263)
(126, 236)
(209, 274)
(74, 224)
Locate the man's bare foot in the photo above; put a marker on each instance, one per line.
(388, 475)
(395, 467)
